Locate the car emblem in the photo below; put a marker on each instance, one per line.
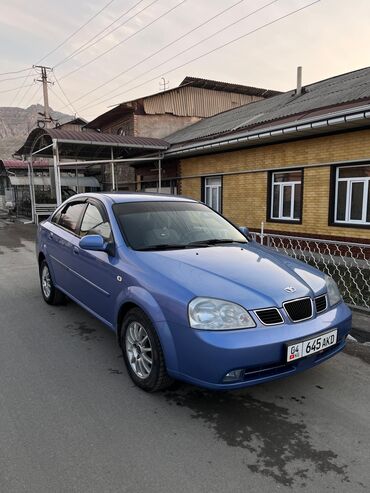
(289, 289)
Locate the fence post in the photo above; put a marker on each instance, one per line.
(262, 236)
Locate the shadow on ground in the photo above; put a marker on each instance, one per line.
(278, 442)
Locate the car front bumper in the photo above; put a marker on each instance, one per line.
(205, 357)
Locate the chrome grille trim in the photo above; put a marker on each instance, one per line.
(256, 312)
(318, 299)
(295, 301)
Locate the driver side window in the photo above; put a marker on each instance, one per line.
(93, 223)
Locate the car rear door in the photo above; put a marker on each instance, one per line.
(98, 274)
(61, 239)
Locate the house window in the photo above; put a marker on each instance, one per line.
(213, 192)
(352, 195)
(286, 196)
(121, 131)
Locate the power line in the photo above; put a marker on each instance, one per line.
(218, 31)
(28, 101)
(21, 87)
(14, 89)
(16, 71)
(65, 96)
(223, 45)
(82, 47)
(57, 96)
(14, 78)
(160, 50)
(75, 32)
(127, 38)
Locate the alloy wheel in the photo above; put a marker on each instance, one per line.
(46, 281)
(139, 350)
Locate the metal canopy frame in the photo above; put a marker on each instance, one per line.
(55, 151)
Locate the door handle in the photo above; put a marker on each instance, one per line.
(51, 235)
(76, 251)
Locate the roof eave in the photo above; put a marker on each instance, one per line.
(321, 124)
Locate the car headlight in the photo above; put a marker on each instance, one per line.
(334, 295)
(214, 314)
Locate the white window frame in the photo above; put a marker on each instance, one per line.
(210, 188)
(350, 181)
(281, 185)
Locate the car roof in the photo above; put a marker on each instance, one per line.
(122, 197)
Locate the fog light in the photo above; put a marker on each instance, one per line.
(234, 375)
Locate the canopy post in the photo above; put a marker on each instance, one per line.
(113, 170)
(159, 175)
(32, 188)
(58, 187)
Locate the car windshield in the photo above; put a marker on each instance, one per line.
(170, 225)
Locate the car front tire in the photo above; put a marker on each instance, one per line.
(50, 293)
(143, 353)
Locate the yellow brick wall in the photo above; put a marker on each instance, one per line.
(245, 195)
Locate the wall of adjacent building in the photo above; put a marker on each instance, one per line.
(245, 192)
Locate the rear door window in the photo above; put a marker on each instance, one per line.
(70, 216)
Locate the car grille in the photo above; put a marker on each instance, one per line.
(269, 316)
(320, 303)
(299, 309)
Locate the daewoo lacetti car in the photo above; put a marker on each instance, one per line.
(190, 296)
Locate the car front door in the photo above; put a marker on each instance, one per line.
(99, 277)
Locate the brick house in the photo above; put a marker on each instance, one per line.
(163, 113)
(299, 162)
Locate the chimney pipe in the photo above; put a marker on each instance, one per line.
(299, 81)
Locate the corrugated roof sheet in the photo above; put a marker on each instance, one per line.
(216, 85)
(346, 88)
(17, 164)
(90, 140)
(195, 101)
(184, 101)
(92, 136)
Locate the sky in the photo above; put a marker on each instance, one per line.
(327, 38)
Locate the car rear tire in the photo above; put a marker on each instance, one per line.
(50, 293)
(143, 353)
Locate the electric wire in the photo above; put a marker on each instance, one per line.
(160, 50)
(223, 45)
(125, 39)
(20, 88)
(76, 31)
(14, 78)
(84, 46)
(33, 95)
(16, 71)
(70, 104)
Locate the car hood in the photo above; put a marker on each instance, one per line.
(250, 275)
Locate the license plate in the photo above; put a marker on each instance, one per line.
(310, 346)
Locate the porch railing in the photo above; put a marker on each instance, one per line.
(348, 263)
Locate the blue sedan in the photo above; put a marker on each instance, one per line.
(190, 296)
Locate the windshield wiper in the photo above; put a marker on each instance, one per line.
(193, 244)
(162, 246)
(213, 241)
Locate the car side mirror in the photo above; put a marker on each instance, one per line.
(96, 243)
(245, 231)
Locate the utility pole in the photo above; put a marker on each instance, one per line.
(44, 79)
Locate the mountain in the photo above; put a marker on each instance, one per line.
(16, 124)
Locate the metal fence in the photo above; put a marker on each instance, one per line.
(347, 263)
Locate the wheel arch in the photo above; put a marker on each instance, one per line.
(40, 258)
(152, 310)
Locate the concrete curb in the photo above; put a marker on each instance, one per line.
(361, 321)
